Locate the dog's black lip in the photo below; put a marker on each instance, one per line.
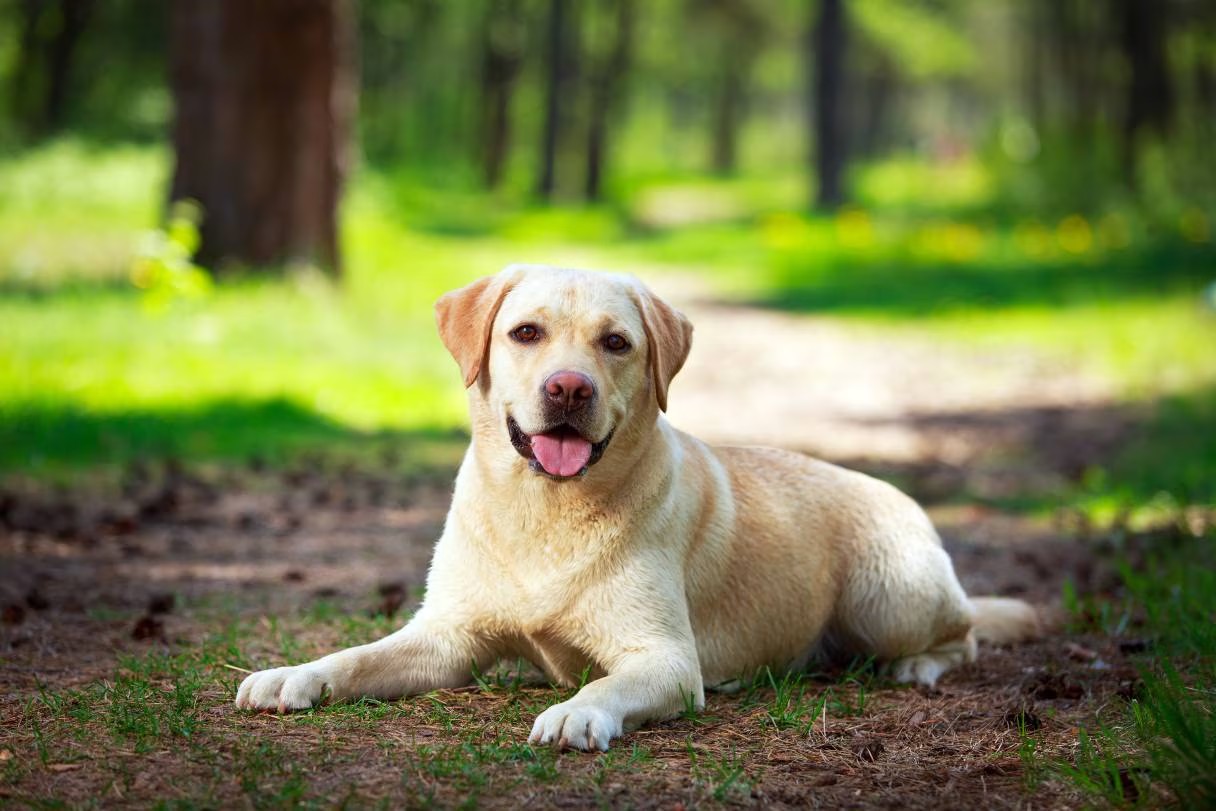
(523, 445)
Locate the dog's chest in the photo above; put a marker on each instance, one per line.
(546, 609)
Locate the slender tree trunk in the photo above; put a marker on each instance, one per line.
(877, 93)
(61, 53)
(605, 97)
(25, 71)
(727, 116)
(501, 61)
(1150, 93)
(46, 52)
(264, 93)
(828, 46)
(1036, 61)
(556, 81)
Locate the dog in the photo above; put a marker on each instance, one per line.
(590, 537)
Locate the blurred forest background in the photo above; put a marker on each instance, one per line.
(968, 245)
(1031, 172)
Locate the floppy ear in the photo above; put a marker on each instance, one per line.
(669, 334)
(466, 317)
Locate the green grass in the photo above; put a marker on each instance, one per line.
(1160, 744)
(94, 374)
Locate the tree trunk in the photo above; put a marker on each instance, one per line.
(264, 100)
(25, 69)
(878, 90)
(605, 97)
(46, 51)
(1150, 96)
(557, 78)
(1037, 54)
(828, 46)
(502, 56)
(61, 53)
(728, 112)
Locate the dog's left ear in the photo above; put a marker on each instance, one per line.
(669, 334)
(466, 318)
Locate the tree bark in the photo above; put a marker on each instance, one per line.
(605, 98)
(828, 46)
(264, 97)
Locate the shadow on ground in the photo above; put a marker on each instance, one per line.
(60, 438)
(906, 285)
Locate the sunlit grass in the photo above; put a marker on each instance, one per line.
(86, 366)
(69, 211)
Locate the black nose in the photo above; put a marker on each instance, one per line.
(569, 390)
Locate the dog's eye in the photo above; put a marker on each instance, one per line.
(615, 343)
(526, 333)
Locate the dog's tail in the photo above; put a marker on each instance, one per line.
(1001, 620)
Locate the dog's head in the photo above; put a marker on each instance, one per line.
(564, 360)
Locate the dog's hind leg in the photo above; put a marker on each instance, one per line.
(907, 609)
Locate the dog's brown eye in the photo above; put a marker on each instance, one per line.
(525, 333)
(616, 343)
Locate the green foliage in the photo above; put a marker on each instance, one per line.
(163, 270)
(924, 40)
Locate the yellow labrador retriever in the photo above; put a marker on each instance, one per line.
(591, 537)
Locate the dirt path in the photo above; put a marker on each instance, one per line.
(844, 392)
(80, 577)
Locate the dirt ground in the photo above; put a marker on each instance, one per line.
(154, 566)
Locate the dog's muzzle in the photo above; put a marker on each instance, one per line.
(560, 452)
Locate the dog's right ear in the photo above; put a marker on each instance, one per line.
(466, 318)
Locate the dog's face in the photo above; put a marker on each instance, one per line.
(566, 360)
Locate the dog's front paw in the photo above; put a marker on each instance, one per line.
(575, 726)
(284, 689)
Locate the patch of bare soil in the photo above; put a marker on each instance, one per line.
(158, 565)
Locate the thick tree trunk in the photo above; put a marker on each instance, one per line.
(264, 93)
(828, 45)
(605, 98)
(502, 57)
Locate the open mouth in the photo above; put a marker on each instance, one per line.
(560, 452)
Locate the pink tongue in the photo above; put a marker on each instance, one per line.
(563, 455)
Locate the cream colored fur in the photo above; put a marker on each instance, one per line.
(670, 566)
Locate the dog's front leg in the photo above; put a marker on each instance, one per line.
(424, 655)
(646, 685)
